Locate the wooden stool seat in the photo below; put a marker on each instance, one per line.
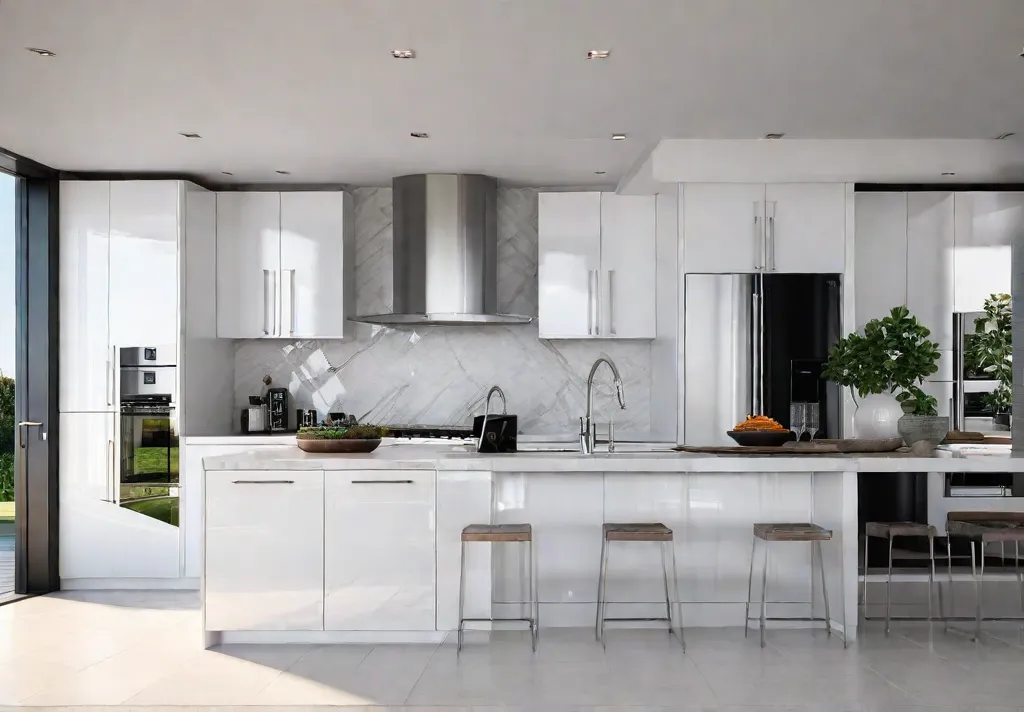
(884, 530)
(987, 526)
(498, 532)
(637, 531)
(786, 531)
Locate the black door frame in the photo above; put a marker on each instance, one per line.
(37, 329)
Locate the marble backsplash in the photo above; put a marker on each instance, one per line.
(440, 375)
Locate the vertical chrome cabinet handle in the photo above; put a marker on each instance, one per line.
(111, 475)
(590, 303)
(611, 302)
(291, 302)
(266, 297)
(758, 237)
(770, 249)
(277, 306)
(597, 303)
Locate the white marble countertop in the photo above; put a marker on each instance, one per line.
(398, 455)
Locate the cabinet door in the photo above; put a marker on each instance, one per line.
(379, 550)
(264, 550)
(143, 263)
(880, 254)
(569, 264)
(806, 227)
(723, 227)
(248, 264)
(986, 226)
(930, 263)
(628, 260)
(86, 363)
(315, 268)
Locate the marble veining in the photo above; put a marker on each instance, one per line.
(440, 375)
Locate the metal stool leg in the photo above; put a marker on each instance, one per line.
(668, 597)
(532, 586)
(931, 580)
(764, 593)
(952, 590)
(750, 589)
(600, 590)
(679, 601)
(462, 594)
(1020, 578)
(842, 586)
(888, 588)
(604, 590)
(824, 586)
(864, 598)
(978, 587)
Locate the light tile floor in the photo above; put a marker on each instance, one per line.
(142, 650)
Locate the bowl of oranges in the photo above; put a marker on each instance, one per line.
(762, 431)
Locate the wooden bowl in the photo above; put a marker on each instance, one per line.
(338, 445)
(762, 438)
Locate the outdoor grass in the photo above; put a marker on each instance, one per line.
(154, 460)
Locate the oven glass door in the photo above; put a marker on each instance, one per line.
(149, 482)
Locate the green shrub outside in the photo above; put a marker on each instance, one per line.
(6, 439)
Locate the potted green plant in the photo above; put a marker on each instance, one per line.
(989, 353)
(885, 366)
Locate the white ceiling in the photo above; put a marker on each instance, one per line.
(501, 86)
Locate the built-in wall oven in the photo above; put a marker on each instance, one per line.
(148, 480)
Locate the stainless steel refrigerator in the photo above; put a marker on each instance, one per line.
(752, 345)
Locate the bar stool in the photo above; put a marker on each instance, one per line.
(802, 532)
(891, 530)
(633, 532)
(984, 528)
(500, 533)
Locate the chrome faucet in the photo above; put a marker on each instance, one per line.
(586, 423)
(487, 411)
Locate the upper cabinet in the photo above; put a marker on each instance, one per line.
(985, 227)
(880, 255)
(596, 271)
(118, 281)
(929, 277)
(283, 261)
(753, 227)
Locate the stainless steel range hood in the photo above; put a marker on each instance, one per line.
(445, 252)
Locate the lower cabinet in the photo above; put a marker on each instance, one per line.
(265, 550)
(379, 550)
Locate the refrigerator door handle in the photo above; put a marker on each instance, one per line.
(755, 353)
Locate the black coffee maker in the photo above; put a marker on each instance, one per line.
(277, 410)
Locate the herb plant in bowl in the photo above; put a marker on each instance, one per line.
(336, 437)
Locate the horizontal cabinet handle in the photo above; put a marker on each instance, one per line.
(382, 482)
(263, 482)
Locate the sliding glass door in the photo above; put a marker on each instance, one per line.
(8, 321)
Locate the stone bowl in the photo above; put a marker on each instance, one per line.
(338, 445)
(923, 433)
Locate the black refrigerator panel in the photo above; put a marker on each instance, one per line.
(802, 321)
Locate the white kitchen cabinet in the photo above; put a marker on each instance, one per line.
(144, 263)
(805, 227)
(930, 283)
(722, 227)
(754, 227)
(379, 550)
(569, 231)
(86, 383)
(315, 253)
(986, 225)
(880, 255)
(628, 266)
(597, 262)
(264, 566)
(248, 264)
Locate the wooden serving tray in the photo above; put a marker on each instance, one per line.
(814, 447)
(965, 437)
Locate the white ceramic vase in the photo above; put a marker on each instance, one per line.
(877, 416)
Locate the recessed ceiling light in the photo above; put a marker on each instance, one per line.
(1000, 137)
(189, 134)
(419, 134)
(774, 136)
(283, 173)
(227, 173)
(618, 137)
(949, 173)
(599, 173)
(599, 54)
(41, 52)
(403, 53)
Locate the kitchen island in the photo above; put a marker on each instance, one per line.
(337, 548)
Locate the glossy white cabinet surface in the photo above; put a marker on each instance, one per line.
(722, 227)
(248, 264)
(628, 266)
(86, 383)
(316, 253)
(930, 281)
(143, 262)
(986, 227)
(880, 254)
(569, 263)
(806, 227)
(264, 566)
(379, 550)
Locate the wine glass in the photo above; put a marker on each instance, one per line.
(797, 413)
(812, 421)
